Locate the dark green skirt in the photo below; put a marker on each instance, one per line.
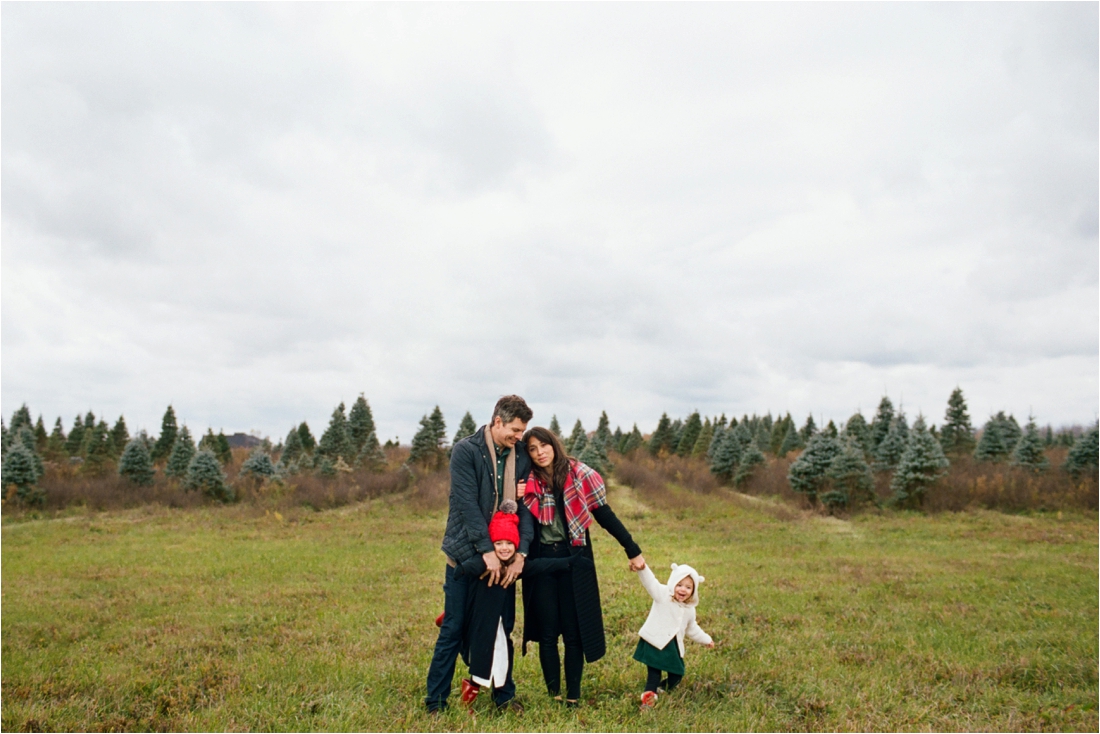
(667, 658)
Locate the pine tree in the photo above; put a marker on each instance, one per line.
(1084, 454)
(182, 452)
(830, 430)
(335, 441)
(577, 439)
(439, 429)
(957, 435)
(360, 424)
(27, 438)
(633, 441)
(808, 473)
(594, 456)
(922, 464)
(136, 464)
(662, 436)
(120, 436)
(98, 451)
(371, 457)
(602, 436)
(809, 430)
(617, 439)
(1029, 452)
(702, 443)
(466, 428)
(693, 426)
(40, 436)
(5, 437)
(849, 477)
(1048, 437)
(991, 445)
(555, 427)
(223, 451)
(778, 433)
(425, 447)
(75, 442)
(258, 464)
(880, 424)
(292, 447)
(306, 437)
(857, 429)
(751, 458)
(1013, 432)
(716, 441)
(205, 475)
(677, 429)
(167, 439)
(21, 418)
(21, 470)
(892, 447)
(791, 442)
(726, 454)
(55, 445)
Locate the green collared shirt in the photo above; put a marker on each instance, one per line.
(502, 457)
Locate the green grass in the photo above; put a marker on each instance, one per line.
(215, 619)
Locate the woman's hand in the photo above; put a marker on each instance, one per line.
(710, 644)
(637, 563)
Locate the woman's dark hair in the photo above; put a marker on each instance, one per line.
(559, 468)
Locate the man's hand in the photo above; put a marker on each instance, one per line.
(492, 565)
(637, 563)
(512, 572)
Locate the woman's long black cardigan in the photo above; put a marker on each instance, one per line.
(586, 589)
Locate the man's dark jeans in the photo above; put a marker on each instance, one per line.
(449, 643)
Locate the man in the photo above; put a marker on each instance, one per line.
(484, 470)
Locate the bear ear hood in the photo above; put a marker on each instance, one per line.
(679, 572)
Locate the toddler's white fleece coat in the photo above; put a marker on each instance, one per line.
(669, 618)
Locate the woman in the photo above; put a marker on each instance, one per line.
(566, 604)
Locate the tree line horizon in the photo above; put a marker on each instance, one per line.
(834, 464)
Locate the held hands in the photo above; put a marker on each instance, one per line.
(512, 572)
(637, 563)
(492, 566)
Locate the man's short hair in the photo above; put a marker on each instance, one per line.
(511, 407)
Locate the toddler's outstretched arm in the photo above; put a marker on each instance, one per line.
(656, 589)
(696, 633)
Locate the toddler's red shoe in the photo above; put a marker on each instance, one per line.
(439, 619)
(469, 691)
(649, 700)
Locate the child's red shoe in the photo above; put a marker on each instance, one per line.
(469, 691)
(439, 619)
(649, 700)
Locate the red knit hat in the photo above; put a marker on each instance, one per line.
(505, 524)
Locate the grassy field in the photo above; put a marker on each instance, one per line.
(225, 618)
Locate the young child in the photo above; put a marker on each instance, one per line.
(672, 616)
(491, 610)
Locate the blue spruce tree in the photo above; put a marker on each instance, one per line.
(922, 464)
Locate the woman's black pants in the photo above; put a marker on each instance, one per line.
(558, 617)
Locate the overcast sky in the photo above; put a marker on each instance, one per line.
(254, 212)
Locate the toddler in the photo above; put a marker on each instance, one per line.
(671, 617)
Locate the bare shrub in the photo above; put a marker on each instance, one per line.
(1004, 487)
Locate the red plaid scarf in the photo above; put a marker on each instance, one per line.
(584, 491)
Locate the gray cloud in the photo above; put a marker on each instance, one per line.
(255, 211)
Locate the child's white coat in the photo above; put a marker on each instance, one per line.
(669, 618)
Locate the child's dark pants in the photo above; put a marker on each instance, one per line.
(654, 679)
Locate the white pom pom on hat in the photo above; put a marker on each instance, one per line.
(508, 506)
